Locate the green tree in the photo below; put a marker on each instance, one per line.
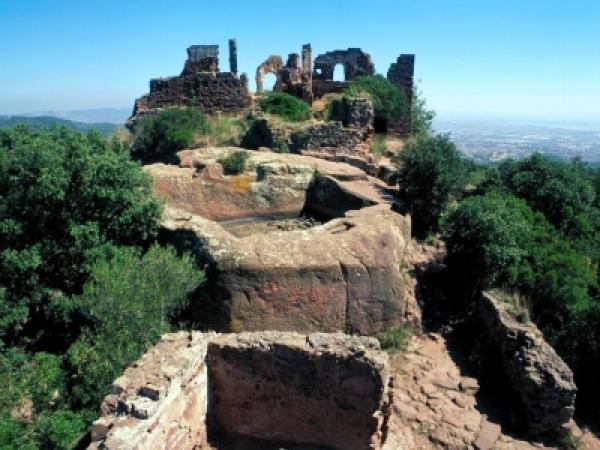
(561, 191)
(285, 106)
(421, 117)
(161, 136)
(485, 238)
(130, 301)
(67, 199)
(59, 430)
(432, 174)
(388, 99)
(497, 240)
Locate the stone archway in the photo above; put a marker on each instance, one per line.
(273, 64)
(354, 60)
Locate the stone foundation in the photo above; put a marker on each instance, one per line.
(201, 391)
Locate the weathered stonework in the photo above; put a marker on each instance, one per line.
(200, 84)
(540, 377)
(201, 391)
(401, 73)
(344, 275)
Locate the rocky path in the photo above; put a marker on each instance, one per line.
(435, 403)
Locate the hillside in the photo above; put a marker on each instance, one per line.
(47, 121)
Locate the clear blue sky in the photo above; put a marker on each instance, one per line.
(508, 58)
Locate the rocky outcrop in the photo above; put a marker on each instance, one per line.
(200, 391)
(542, 379)
(343, 275)
(272, 184)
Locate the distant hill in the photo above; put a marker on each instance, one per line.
(95, 115)
(47, 121)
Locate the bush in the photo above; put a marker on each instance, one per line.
(285, 106)
(421, 117)
(235, 163)
(394, 340)
(67, 199)
(159, 137)
(431, 174)
(129, 303)
(561, 191)
(388, 99)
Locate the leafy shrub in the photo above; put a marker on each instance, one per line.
(561, 191)
(60, 430)
(497, 240)
(421, 117)
(388, 99)
(67, 199)
(159, 137)
(432, 174)
(235, 163)
(227, 131)
(129, 303)
(394, 340)
(285, 106)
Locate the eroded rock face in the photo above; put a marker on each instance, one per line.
(317, 391)
(542, 379)
(344, 275)
(273, 183)
(329, 390)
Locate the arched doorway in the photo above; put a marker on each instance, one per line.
(339, 72)
(269, 80)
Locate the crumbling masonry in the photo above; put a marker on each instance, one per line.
(201, 84)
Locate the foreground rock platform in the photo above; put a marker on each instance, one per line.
(344, 275)
(201, 391)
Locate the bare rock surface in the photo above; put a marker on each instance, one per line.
(344, 275)
(435, 406)
(198, 390)
(544, 382)
(272, 183)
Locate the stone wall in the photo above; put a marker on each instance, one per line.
(540, 377)
(354, 60)
(331, 137)
(401, 73)
(201, 391)
(356, 112)
(200, 84)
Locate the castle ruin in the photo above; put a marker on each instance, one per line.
(202, 85)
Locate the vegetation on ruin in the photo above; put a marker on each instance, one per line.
(388, 99)
(83, 292)
(160, 136)
(285, 106)
(235, 163)
(394, 340)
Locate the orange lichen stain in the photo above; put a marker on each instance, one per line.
(241, 183)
